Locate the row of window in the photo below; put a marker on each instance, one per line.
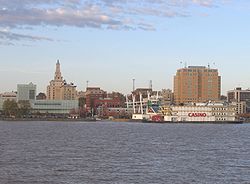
(110, 105)
(96, 92)
(221, 119)
(221, 114)
(196, 74)
(118, 110)
(220, 109)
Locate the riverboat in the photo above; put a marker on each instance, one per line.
(198, 113)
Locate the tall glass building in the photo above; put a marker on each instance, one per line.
(26, 92)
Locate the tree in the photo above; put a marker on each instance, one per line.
(82, 112)
(10, 108)
(92, 107)
(223, 97)
(82, 107)
(81, 102)
(24, 107)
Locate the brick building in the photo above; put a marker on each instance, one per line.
(196, 84)
(92, 94)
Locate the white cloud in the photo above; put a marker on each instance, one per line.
(207, 3)
(7, 37)
(110, 14)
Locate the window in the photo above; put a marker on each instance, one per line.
(32, 94)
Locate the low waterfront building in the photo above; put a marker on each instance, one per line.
(7, 96)
(54, 106)
(92, 94)
(96, 100)
(41, 96)
(116, 112)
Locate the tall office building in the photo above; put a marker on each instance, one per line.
(238, 95)
(241, 98)
(196, 84)
(26, 92)
(58, 89)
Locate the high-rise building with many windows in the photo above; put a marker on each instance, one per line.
(58, 89)
(196, 84)
(241, 98)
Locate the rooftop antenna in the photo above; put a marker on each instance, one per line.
(181, 64)
(133, 84)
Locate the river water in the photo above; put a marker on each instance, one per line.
(122, 153)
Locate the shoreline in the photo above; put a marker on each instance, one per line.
(44, 119)
(112, 120)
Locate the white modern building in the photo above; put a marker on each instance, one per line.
(238, 95)
(241, 107)
(241, 98)
(54, 106)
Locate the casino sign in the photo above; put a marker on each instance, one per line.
(195, 114)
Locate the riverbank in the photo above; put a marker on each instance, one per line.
(64, 119)
(46, 119)
(113, 120)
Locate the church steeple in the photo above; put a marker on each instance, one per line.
(58, 75)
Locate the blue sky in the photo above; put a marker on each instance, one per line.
(110, 42)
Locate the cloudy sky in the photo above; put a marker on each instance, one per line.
(110, 42)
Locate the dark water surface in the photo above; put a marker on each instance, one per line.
(75, 152)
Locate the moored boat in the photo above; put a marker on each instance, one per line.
(199, 113)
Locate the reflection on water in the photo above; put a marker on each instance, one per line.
(75, 152)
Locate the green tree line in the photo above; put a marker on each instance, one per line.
(15, 109)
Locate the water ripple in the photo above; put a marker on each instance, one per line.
(122, 153)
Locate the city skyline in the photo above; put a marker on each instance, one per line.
(109, 43)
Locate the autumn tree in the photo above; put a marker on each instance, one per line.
(10, 108)
(24, 107)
